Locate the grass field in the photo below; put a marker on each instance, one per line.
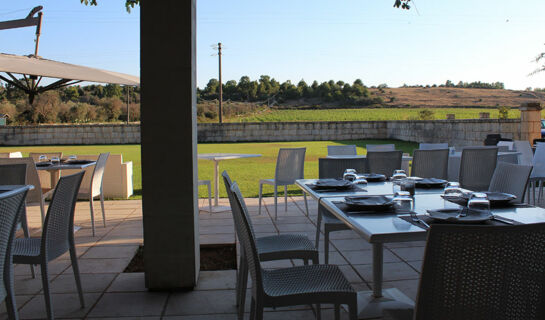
(377, 114)
(246, 172)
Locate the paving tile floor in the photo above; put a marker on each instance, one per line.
(112, 294)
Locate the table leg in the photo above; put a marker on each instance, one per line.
(217, 207)
(372, 304)
(54, 176)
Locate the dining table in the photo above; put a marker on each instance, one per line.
(217, 157)
(55, 169)
(379, 228)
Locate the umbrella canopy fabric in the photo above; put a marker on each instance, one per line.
(36, 66)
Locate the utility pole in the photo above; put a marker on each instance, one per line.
(220, 88)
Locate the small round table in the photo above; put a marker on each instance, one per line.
(217, 157)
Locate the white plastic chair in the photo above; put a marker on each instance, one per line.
(290, 166)
(508, 144)
(526, 155)
(95, 188)
(349, 150)
(433, 146)
(207, 183)
(380, 147)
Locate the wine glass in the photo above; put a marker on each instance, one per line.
(403, 201)
(55, 160)
(42, 158)
(478, 201)
(350, 174)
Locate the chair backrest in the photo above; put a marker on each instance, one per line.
(483, 272)
(539, 162)
(290, 165)
(433, 146)
(230, 194)
(13, 174)
(380, 147)
(349, 150)
(247, 239)
(526, 154)
(11, 204)
(36, 155)
(477, 167)
(58, 230)
(98, 173)
(508, 144)
(511, 178)
(35, 195)
(430, 163)
(384, 162)
(538, 140)
(334, 168)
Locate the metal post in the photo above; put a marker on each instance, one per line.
(38, 32)
(220, 88)
(128, 100)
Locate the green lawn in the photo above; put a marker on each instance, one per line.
(365, 114)
(246, 172)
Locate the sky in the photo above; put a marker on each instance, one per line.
(435, 41)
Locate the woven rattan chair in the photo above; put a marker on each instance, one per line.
(432, 146)
(209, 186)
(36, 196)
(11, 206)
(483, 272)
(333, 169)
(511, 178)
(348, 150)
(303, 285)
(95, 188)
(384, 162)
(290, 166)
(526, 155)
(57, 236)
(430, 163)
(537, 177)
(380, 147)
(276, 247)
(477, 167)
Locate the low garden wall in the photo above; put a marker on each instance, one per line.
(455, 132)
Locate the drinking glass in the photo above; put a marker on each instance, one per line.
(55, 160)
(403, 201)
(478, 201)
(359, 180)
(408, 185)
(72, 157)
(397, 177)
(350, 174)
(42, 158)
(452, 190)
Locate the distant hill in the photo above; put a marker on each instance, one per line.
(455, 97)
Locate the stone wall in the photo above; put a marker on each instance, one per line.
(70, 134)
(455, 132)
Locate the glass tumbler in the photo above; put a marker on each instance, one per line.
(478, 201)
(350, 174)
(403, 202)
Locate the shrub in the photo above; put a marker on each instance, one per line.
(503, 112)
(426, 114)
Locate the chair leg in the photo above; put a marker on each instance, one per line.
(285, 198)
(209, 197)
(306, 202)
(252, 309)
(326, 246)
(258, 310)
(102, 207)
(337, 312)
(47, 293)
(275, 202)
(11, 305)
(42, 211)
(243, 287)
(92, 214)
(353, 309)
(318, 311)
(26, 233)
(260, 197)
(75, 269)
(318, 225)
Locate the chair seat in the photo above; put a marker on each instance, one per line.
(267, 181)
(285, 246)
(317, 282)
(26, 250)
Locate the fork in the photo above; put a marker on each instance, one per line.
(415, 218)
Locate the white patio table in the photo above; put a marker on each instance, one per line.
(217, 157)
(378, 229)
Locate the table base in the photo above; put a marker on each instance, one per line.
(215, 209)
(392, 299)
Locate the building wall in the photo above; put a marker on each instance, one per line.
(455, 132)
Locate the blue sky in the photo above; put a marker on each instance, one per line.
(320, 40)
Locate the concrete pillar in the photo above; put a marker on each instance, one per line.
(530, 121)
(169, 144)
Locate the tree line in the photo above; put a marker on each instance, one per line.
(73, 104)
